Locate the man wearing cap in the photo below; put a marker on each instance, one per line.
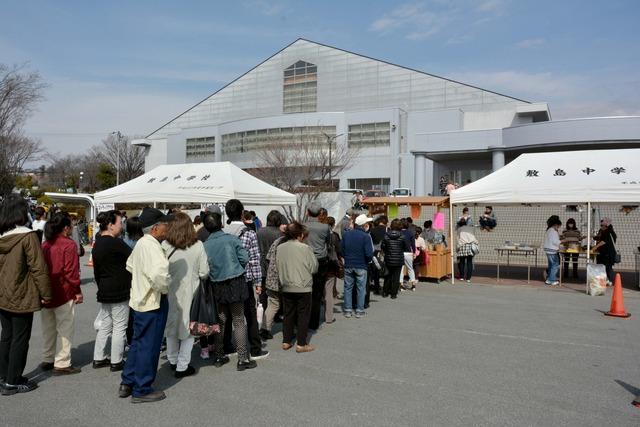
(319, 240)
(357, 249)
(149, 268)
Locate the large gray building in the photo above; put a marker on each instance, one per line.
(411, 129)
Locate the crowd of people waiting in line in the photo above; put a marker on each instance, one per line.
(148, 271)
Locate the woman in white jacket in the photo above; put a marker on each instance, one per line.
(188, 264)
(467, 248)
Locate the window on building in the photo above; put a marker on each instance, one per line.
(369, 135)
(366, 184)
(261, 139)
(300, 89)
(198, 149)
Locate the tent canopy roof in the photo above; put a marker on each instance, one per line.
(196, 183)
(596, 176)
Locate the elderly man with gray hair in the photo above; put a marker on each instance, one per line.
(320, 241)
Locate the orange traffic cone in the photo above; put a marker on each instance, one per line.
(90, 262)
(617, 300)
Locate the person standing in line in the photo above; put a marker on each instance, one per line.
(253, 273)
(335, 272)
(273, 290)
(606, 246)
(466, 241)
(38, 224)
(110, 255)
(357, 248)
(296, 265)
(149, 268)
(319, 239)
(410, 236)
(134, 231)
(24, 288)
(227, 260)
(61, 254)
(551, 247)
(188, 265)
(266, 237)
(378, 231)
(394, 246)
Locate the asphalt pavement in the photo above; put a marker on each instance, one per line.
(461, 355)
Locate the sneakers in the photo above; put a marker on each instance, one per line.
(246, 364)
(548, 283)
(394, 296)
(11, 389)
(360, 314)
(218, 362)
(69, 370)
(347, 314)
(154, 396)
(304, 348)
(186, 373)
(263, 354)
(286, 346)
(468, 280)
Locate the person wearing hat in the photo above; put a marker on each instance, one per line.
(149, 268)
(357, 249)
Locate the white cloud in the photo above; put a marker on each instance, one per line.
(568, 95)
(417, 19)
(495, 6)
(531, 43)
(267, 8)
(424, 19)
(76, 115)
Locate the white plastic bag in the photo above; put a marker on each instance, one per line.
(596, 279)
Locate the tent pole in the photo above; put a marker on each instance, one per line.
(451, 242)
(155, 204)
(588, 241)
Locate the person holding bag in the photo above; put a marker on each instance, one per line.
(188, 265)
(606, 246)
(227, 261)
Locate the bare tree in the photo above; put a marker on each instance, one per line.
(131, 157)
(20, 91)
(306, 167)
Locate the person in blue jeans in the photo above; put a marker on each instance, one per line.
(149, 268)
(551, 247)
(357, 249)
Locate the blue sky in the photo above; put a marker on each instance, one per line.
(133, 65)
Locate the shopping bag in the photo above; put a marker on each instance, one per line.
(203, 316)
(596, 279)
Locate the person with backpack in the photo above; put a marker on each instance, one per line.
(394, 246)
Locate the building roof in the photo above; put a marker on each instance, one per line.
(331, 47)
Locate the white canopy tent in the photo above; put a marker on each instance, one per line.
(595, 176)
(196, 183)
(603, 176)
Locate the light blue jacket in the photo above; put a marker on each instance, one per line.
(227, 257)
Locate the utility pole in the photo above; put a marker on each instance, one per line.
(119, 135)
(330, 140)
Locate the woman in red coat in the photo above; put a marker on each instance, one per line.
(61, 254)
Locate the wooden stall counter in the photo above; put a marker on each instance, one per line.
(438, 267)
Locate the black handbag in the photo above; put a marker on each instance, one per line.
(203, 316)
